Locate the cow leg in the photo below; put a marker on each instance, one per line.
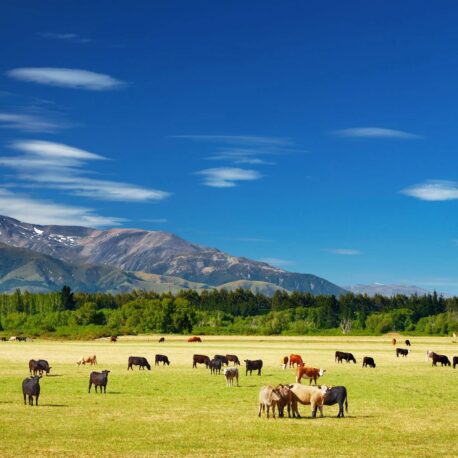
(314, 407)
(25, 399)
(36, 399)
(260, 409)
(90, 385)
(30, 400)
(321, 411)
(105, 389)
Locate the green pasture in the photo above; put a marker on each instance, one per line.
(403, 408)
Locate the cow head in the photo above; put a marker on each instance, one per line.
(105, 372)
(324, 388)
(321, 372)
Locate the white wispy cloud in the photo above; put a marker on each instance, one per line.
(249, 239)
(278, 262)
(50, 165)
(28, 122)
(343, 251)
(66, 77)
(29, 209)
(375, 132)
(155, 220)
(438, 190)
(227, 177)
(72, 37)
(240, 139)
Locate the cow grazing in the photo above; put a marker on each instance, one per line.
(408, 344)
(402, 351)
(39, 366)
(113, 339)
(284, 362)
(285, 394)
(87, 360)
(194, 339)
(231, 374)
(268, 398)
(162, 339)
(368, 361)
(308, 372)
(253, 366)
(455, 361)
(337, 395)
(200, 359)
(393, 342)
(341, 355)
(138, 361)
(99, 379)
(3, 339)
(234, 359)
(307, 395)
(436, 358)
(161, 359)
(223, 359)
(21, 339)
(12, 339)
(215, 366)
(31, 388)
(295, 360)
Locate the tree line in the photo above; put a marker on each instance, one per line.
(77, 314)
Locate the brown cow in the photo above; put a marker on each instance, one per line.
(284, 362)
(309, 372)
(194, 339)
(308, 395)
(393, 341)
(162, 339)
(87, 360)
(200, 359)
(113, 339)
(295, 360)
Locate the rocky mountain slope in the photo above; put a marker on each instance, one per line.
(153, 252)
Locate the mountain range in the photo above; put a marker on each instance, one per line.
(44, 258)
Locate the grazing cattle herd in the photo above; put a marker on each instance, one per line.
(271, 399)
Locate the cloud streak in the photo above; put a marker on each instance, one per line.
(66, 77)
(433, 190)
(26, 208)
(376, 132)
(227, 177)
(343, 251)
(28, 122)
(50, 165)
(278, 262)
(72, 37)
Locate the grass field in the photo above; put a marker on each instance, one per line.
(403, 408)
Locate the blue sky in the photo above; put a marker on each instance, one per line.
(320, 136)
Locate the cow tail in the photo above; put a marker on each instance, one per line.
(346, 404)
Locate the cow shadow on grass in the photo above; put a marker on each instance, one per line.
(54, 375)
(54, 405)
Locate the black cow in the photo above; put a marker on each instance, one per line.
(200, 359)
(31, 388)
(440, 359)
(368, 362)
(337, 395)
(234, 359)
(138, 361)
(455, 361)
(3, 339)
(402, 351)
(215, 366)
(21, 339)
(99, 379)
(222, 358)
(253, 365)
(161, 359)
(408, 343)
(39, 367)
(162, 339)
(341, 355)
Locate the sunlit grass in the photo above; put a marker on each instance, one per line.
(402, 408)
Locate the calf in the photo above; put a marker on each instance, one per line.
(408, 344)
(393, 342)
(234, 359)
(200, 359)
(455, 361)
(443, 359)
(268, 398)
(295, 360)
(402, 351)
(162, 339)
(285, 394)
(87, 360)
(31, 388)
(368, 362)
(222, 358)
(308, 372)
(284, 362)
(215, 366)
(253, 366)
(337, 395)
(341, 355)
(231, 374)
(99, 379)
(138, 361)
(39, 367)
(161, 359)
(307, 395)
